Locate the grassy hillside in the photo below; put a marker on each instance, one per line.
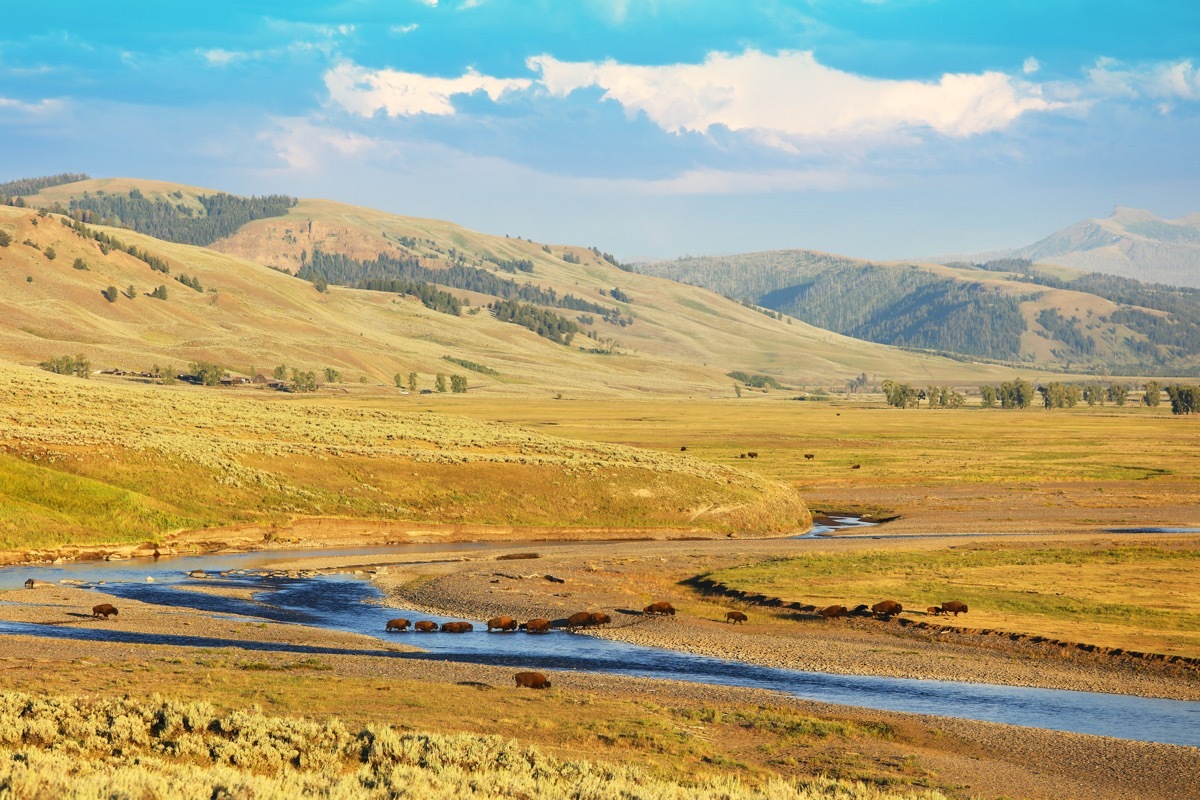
(82, 462)
(1007, 311)
(657, 336)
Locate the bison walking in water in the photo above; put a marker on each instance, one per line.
(426, 626)
(735, 617)
(539, 625)
(531, 680)
(501, 624)
(954, 607)
(397, 625)
(661, 607)
(579, 620)
(832, 612)
(457, 627)
(600, 618)
(887, 609)
(103, 610)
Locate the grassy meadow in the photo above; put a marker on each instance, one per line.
(1137, 595)
(83, 461)
(941, 470)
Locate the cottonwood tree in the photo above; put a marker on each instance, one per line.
(1153, 394)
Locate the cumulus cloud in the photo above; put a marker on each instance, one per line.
(1030, 66)
(402, 29)
(366, 92)
(793, 95)
(219, 58)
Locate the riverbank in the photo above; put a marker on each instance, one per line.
(621, 578)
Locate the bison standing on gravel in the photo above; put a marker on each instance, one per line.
(887, 609)
(661, 607)
(600, 618)
(735, 617)
(397, 625)
(103, 610)
(539, 625)
(501, 624)
(531, 680)
(954, 607)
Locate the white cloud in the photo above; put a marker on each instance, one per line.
(794, 96)
(39, 109)
(301, 143)
(1030, 66)
(366, 92)
(465, 4)
(219, 58)
(403, 29)
(430, 3)
(1177, 80)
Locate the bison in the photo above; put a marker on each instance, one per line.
(954, 607)
(103, 610)
(856, 466)
(600, 618)
(397, 625)
(501, 624)
(832, 612)
(751, 455)
(426, 626)
(683, 449)
(457, 627)
(661, 607)
(934, 611)
(735, 617)
(809, 456)
(29, 583)
(531, 680)
(886, 609)
(540, 625)
(579, 620)
(860, 610)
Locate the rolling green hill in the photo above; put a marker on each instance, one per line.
(1005, 310)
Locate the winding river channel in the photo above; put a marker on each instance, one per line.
(346, 603)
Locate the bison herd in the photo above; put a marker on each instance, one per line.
(582, 619)
(887, 609)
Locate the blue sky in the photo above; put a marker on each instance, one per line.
(650, 128)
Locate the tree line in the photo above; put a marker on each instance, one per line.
(25, 186)
(1020, 393)
(223, 214)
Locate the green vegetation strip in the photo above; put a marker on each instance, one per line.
(977, 577)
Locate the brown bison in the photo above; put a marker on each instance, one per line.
(735, 617)
(860, 610)
(103, 610)
(934, 611)
(29, 583)
(751, 455)
(531, 680)
(540, 625)
(457, 627)
(397, 625)
(954, 607)
(809, 456)
(832, 612)
(886, 609)
(683, 449)
(580, 620)
(856, 466)
(661, 607)
(501, 624)
(600, 618)
(426, 626)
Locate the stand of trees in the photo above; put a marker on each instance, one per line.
(1184, 399)
(546, 324)
(223, 214)
(79, 366)
(25, 186)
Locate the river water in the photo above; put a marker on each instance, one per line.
(345, 603)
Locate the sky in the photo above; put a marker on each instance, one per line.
(649, 128)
